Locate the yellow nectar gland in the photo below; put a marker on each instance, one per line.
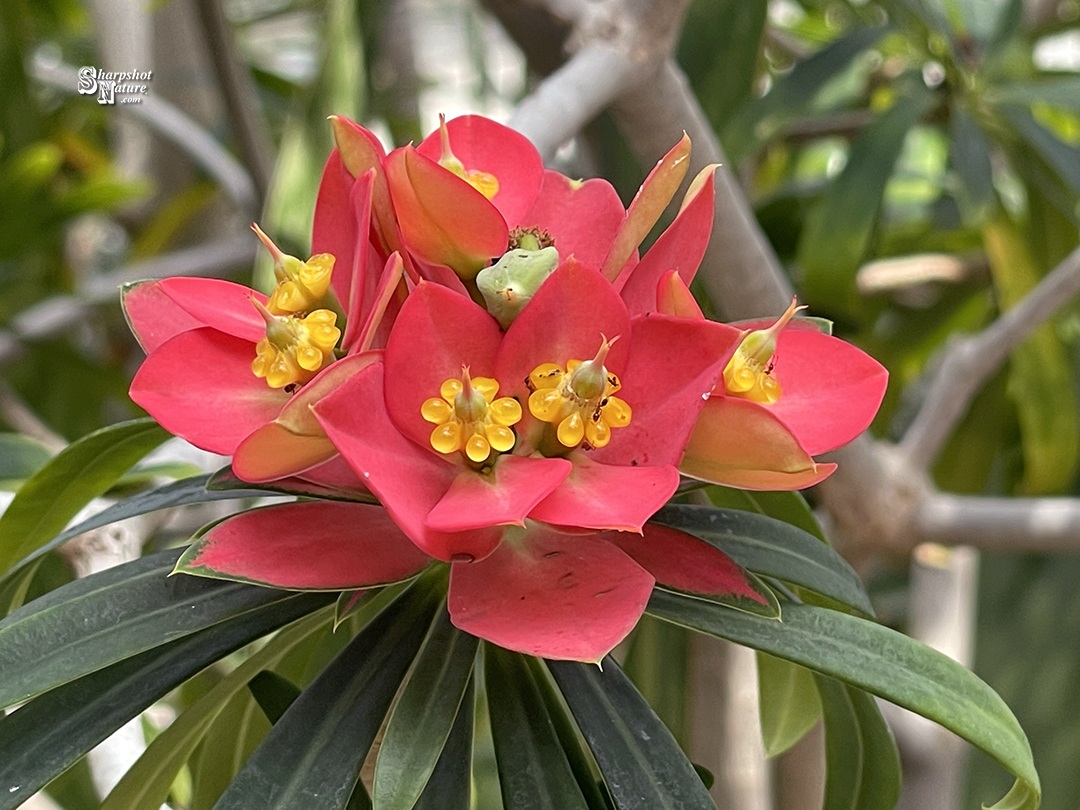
(468, 417)
(487, 184)
(579, 399)
(295, 347)
(301, 286)
(749, 373)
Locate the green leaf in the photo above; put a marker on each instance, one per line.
(225, 481)
(450, 785)
(1062, 158)
(45, 736)
(790, 507)
(424, 714)
(274, 693)
(1060, 91)
(147, 782)
(791, 95)
(312, 756)
(20, 457)
(1041, 380)
(533, 768)
(657, 664)
(877, 659)
(114, 614)
(862, 763)
(167, 496)
(969, 155)
(788, 703)
(74, 477)
(643, 766)
(837, 233)
(13, 589)
(772, 548)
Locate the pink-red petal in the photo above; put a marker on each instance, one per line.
(223, 305)
(680, 248)
(443, 219)
(483, 145)
(604, 496)
(562, 596)
(742, 444)
(566, 319)
(199, 386)
(831, 390)
(307, 546)
(673, 365)
(407, 478)
(683, 562)
(503, 496)
(437, 332)
(582, 217)
(153, 316)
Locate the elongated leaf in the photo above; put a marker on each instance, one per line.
(147, 782)
(533, 768)
(44, 737)
(862, 763)
(1060, 91)
(969, 155)
(790, 507)
(450, 785)
(20, 456)
(772, 548)
(167, 496)
(877, 659)
(792, 94)
(274, 693)
(311, 758)
(1062, 158)
(643, 766)
(838, 230)
(424, 715)
(225, 481)
(104, 618)
(657, 664)
(13, 590)
(1042, 382)
(77, 475)
(789, 703)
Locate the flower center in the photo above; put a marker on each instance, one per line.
(750, 371)
(295, 347)
(579, 399)
(487, 184)
(301, 286)
(468, 417)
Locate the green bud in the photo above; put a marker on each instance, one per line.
(510, 283)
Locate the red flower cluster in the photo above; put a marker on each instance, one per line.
(517, 388)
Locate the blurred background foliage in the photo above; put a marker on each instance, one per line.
(915, 164)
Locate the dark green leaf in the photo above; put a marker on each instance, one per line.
(643, 766)
(874, 658)
(969, 155)
(657, 664)
(311, 758)
(837, 233)
(21, 456)
(44, 737)
(424, 714)
(1062, 158)
(96, 621)
(772, 548)
(707, 777)
(790, 507)
(177, 493)
(1060, 91)
(225, 481)
(789, 704)
(147, 782)
(862, 763)
(13, 589)
(450, 785)
(533, 768)
(73, 478)
(274, 693)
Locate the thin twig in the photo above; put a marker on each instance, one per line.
(969, 362)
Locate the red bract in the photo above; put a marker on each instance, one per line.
(829, 392)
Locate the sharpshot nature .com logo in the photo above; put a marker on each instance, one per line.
(129, 86)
